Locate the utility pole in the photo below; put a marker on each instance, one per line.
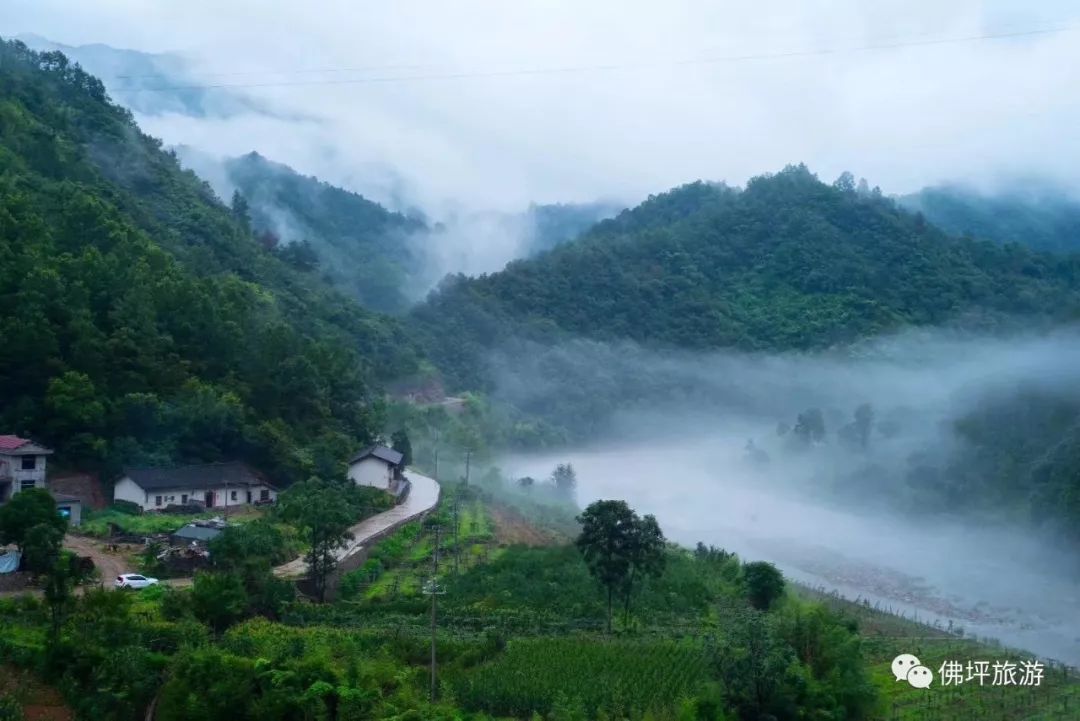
(457, 546)
(468, 457)
(432, 589)
(436, 454)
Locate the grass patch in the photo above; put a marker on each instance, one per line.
(96, 523)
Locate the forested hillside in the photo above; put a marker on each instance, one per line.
(142, 321)
(1037, 216)
(359, 246)
(384, 259)
(558, 223)
(789, 262)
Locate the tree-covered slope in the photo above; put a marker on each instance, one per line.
(141, 321)
(386, 259)
(361, 247)
(153, 83)
(557, 223)
(789, 262)
(1036, 216)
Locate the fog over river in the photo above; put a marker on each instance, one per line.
(997, 583)
(713, 466)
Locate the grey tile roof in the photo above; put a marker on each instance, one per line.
(206, 475)
(381, 452)
(197, 533)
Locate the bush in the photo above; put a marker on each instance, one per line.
(10, 709)
(126, 508)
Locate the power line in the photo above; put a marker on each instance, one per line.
(607, 67)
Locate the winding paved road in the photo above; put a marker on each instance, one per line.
(422, 497)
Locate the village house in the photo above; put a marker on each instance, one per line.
(211, 485)
(22, 465)
(378, 467)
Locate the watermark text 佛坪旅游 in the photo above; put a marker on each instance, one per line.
(907, 667)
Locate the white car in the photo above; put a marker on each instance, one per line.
(134, 580)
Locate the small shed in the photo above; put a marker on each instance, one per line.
(70, 507)
(193, 534)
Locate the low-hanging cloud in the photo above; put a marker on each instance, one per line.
(706, 442)
(644, 96)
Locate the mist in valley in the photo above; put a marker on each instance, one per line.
(712, 445)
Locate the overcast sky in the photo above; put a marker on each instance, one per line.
(671, 103)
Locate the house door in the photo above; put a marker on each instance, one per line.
(209, 499)
(249, 497)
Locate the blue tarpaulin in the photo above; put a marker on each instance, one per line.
(9, 562)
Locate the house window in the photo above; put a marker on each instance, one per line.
(29, 463)
(157, 500)
(232, 495)
(183, 498)
(264, 495)
(27, 483)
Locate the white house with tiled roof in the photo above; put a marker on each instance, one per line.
(22, 465)
(211, 485)
(376, 466)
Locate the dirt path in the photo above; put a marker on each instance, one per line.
(422, 497)
(108, 563)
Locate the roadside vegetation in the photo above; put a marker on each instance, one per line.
(522, 631)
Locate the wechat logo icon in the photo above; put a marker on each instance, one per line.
(906, 667)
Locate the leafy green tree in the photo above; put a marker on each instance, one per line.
(42, 547)
(59, 588)
(759, 671)
(74, 403)
(647, 557)
(607, 528)
(322, 511)
(249, 552)
(764, 584)
(27, 509)
(240, 208)
(564, 478)
(810, 426)
(845, 183)
(301, 255)
(399, 441)
(218, 600)
(619, 548)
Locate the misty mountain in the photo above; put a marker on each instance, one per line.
(386, 259)
(143, 322)
(558, 223)
(788, 262)
(152, 83)
(362, 248)
(1039, 216)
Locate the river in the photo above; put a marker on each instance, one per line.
(992, 582)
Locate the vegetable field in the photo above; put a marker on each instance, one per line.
(614, 676)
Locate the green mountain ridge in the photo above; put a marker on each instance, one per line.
(144, 323)
(383, 258)
(362, 248)
(1040, 216)
(787, 263)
